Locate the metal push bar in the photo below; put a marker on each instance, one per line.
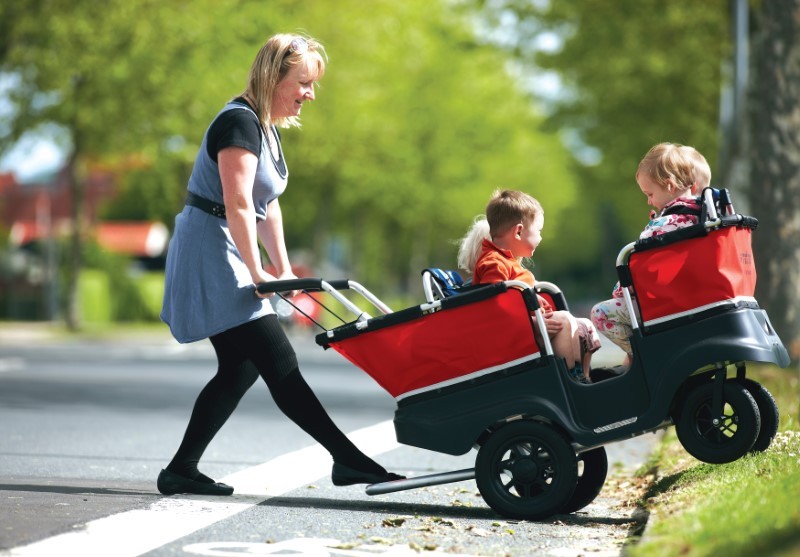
(421, 481)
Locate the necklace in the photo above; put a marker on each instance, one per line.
(269, 132)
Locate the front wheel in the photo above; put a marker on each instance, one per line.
(723, 438)
(526, 470)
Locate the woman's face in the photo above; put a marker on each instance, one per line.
(292, 91)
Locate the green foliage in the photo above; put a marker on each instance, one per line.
(103, 74)
(415, 123)
(635, 73)
(417, 120)
(109, 291)
(156, 192)
(94, 293)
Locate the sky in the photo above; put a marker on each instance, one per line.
(32, 157)
(36, 153)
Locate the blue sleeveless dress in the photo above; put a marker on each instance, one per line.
(207, 287)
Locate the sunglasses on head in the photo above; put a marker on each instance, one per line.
(298, 46)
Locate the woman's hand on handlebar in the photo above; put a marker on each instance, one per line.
(264, 276)
(289, 276)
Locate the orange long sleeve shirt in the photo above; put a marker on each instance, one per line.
(498, 265)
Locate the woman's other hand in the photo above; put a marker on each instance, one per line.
(264, 277)
(289, 276)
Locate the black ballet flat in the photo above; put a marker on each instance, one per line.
(342, 475)
(170, 483)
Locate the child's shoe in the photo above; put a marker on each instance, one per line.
(577, 374)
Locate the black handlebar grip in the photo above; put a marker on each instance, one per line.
(309, 284)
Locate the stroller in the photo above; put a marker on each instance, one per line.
(467, 372)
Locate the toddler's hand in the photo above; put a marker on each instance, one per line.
(553, 325)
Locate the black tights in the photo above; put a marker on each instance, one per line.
(256, 348)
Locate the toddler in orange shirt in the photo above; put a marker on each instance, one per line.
(493, 250)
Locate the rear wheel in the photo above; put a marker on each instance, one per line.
(526, 470)
(768, 410)
(718, 439)
(592, 472)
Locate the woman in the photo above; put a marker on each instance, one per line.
(214, 263)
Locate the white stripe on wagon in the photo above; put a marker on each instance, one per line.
(729, 301)
(139, 531)
(473, 375)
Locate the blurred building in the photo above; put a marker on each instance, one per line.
(35, 215)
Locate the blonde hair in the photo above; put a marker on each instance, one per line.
(274, 60)
(469, 248)
(507, 208)
(679, 166)
(702, 171)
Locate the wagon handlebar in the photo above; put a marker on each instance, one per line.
(308, 284)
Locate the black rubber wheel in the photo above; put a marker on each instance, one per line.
(592, 472)
(718, 439)
(526, 470)
(770, 417)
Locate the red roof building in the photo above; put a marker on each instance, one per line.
(36, 211)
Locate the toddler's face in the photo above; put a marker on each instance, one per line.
(529, 238)
(657, 195)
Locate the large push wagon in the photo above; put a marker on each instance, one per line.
(467, 372)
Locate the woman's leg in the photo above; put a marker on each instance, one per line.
(265, 344)
(214, 405)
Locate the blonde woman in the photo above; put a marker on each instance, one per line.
(214, 265)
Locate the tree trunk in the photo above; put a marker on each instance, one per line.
(775, 168)
(74, 255)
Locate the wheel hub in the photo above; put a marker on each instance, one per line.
(525, 470)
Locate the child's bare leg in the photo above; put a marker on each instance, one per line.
(586, 362)
(566, 342)
(627, 362)
(589, 343)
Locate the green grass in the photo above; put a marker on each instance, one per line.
(750, 507)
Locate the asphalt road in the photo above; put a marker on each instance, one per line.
(85, 428)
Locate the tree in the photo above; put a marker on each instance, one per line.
(414, 125)
(119, 81)
(633, 73)
(775, 164)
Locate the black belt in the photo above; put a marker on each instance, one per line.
(206, 205)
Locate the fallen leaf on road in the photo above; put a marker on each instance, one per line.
(478, 531)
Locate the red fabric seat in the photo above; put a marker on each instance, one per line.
(446, 347)
(694, 275)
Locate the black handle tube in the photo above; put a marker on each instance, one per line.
(308, 284)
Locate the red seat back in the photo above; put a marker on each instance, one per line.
(446, 347)
(694, 275)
